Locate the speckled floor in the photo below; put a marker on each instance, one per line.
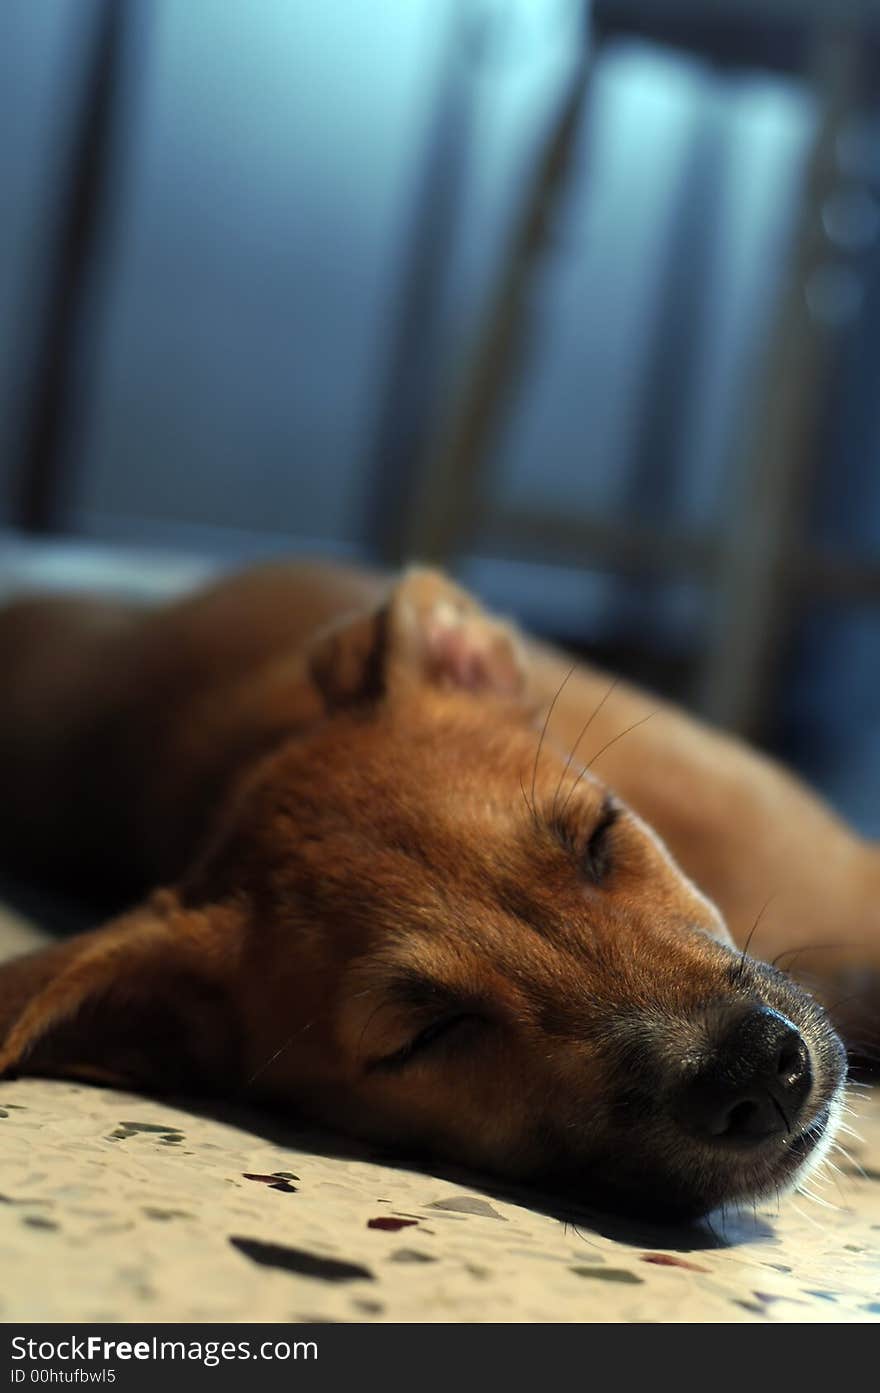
(115, 1207)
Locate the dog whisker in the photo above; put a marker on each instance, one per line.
(811, 1220)
(607, 746)
(742, 962)
(853, 1161)
(560, 689)
(804, 1189)
(529, 807)
(287, 1043)
(272, 1057)
(851, 1132)
(584, 729)
(808, 948)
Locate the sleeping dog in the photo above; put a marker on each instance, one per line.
(398, 866)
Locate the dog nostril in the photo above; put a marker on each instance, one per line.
(741, 1119)
(754, 1084)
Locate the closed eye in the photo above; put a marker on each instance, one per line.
(596, 857)
(438, 1032)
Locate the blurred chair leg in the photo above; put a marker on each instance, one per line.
(409, 391)
(764, 549)
(40, 504)
(446, 502)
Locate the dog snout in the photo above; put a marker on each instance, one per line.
(753, 1083)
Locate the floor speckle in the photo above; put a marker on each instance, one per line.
(298, 1260)
(468, 1204)
(609, 1274)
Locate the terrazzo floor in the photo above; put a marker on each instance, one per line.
(116, 1207)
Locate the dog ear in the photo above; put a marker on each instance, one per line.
(139, 1002)
(429, 630)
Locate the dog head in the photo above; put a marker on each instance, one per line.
(425, 924)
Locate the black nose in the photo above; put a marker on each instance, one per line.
(754, 1084)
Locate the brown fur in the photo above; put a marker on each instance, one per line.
(341, 786)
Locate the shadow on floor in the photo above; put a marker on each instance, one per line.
(716, 1231)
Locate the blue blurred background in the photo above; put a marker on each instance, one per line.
(582, 303)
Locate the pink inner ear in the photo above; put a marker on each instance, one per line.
(469, 651)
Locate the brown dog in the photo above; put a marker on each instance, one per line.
(395, 895)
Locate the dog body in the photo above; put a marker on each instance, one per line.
(392, 892)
